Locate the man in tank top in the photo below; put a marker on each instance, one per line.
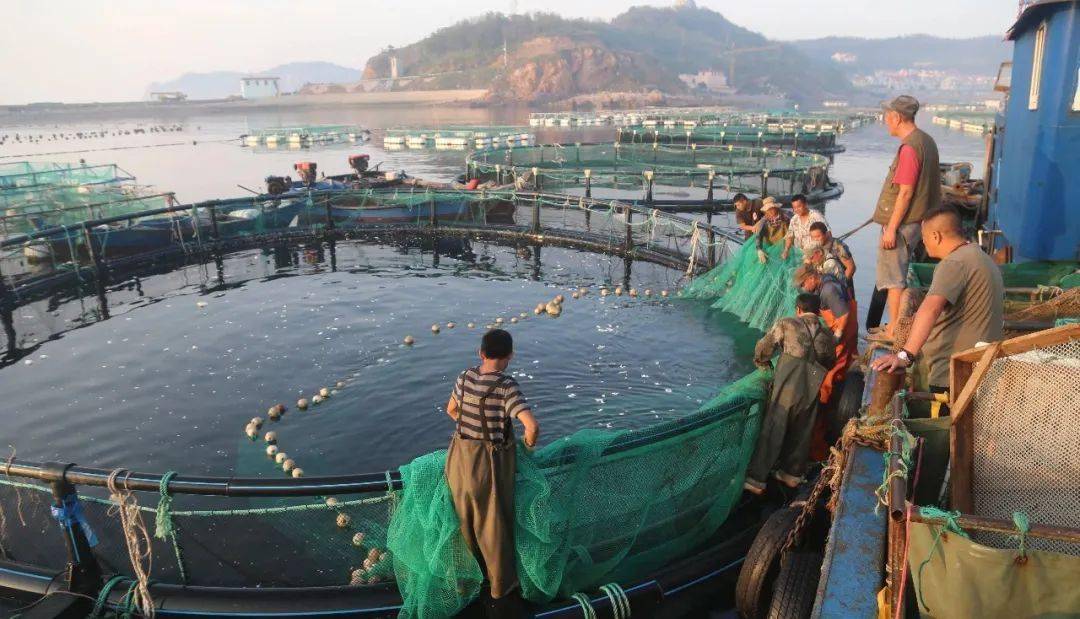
(912, 187)
(481, 463)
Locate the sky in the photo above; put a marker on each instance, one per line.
(97, 50)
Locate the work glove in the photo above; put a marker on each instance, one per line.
(762, 258)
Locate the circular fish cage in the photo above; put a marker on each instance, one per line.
(716, 171)
(271, 540)
(792, 136)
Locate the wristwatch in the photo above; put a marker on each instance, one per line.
(905, 356)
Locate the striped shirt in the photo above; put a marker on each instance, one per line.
(503, 402)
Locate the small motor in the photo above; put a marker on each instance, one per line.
(277, 185)
(306, 170)
(359, 163)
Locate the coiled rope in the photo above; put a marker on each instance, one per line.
(137, 540)
(164, 526)
(586, 605)
(620, 603)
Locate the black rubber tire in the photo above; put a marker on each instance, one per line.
(796, 585)
(846, 405)
(754, 587)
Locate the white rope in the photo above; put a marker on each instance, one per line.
(692, 262)
(137, 540)
(586, 606)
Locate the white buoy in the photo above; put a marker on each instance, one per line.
(618, 291)
(298, 472)
(583, 291)
(288, 465)
(270, 437)
(633, 292)
(251, 431)
(374, 555)
(471, 325)
(316, 399)
(357, 577)
(648, 292)
(540, 309)
(343, 520)
(280, 457)
(514, 319)
(271, 450)
(663, 293)
(489, 327)
(324, 392)
(331, 502)
(450, 325)
(358, 539)
(603, 292)
(574, 294)
(339, 385)
(434, 328)
(553, 309)
(559, 298)
(201, 304)
(302, 404)
(273, 413)
(368, 564)
(499, 320)
(409, 340)
(257, 422)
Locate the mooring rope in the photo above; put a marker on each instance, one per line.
(137, 540)
(164, 527)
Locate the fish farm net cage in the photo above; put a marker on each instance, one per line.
(122, 240)
(772, 135)
(599, 506)
(616, 165)
(25, 174)
(303, 133)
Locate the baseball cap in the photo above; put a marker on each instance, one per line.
(905, 104)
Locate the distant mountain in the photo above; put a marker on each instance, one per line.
(221, 84)
(974, 56)
(544, 57)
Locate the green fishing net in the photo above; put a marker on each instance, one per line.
(757, 293)
(592, 508)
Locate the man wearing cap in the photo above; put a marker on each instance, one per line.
(912, 187)
(772, 229)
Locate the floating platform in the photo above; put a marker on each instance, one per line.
(457, 138)
(693, 117)
(975, 123)
(304, 135)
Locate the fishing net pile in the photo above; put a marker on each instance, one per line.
(757, 293)
(593, 508)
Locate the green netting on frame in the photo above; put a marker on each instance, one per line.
(1014, 274)
(37, 174)
(595, 507)
(757, 293)
(614, 165)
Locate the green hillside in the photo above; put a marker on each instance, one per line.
(547, 57)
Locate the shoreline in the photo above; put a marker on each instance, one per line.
(416, 98)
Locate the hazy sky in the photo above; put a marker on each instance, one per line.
(95, 50)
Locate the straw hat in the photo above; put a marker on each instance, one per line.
(768, 203)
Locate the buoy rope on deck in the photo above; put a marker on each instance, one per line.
(586, 605)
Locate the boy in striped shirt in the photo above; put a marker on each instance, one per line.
(481, 462)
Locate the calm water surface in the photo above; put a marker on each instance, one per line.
(164, 383)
